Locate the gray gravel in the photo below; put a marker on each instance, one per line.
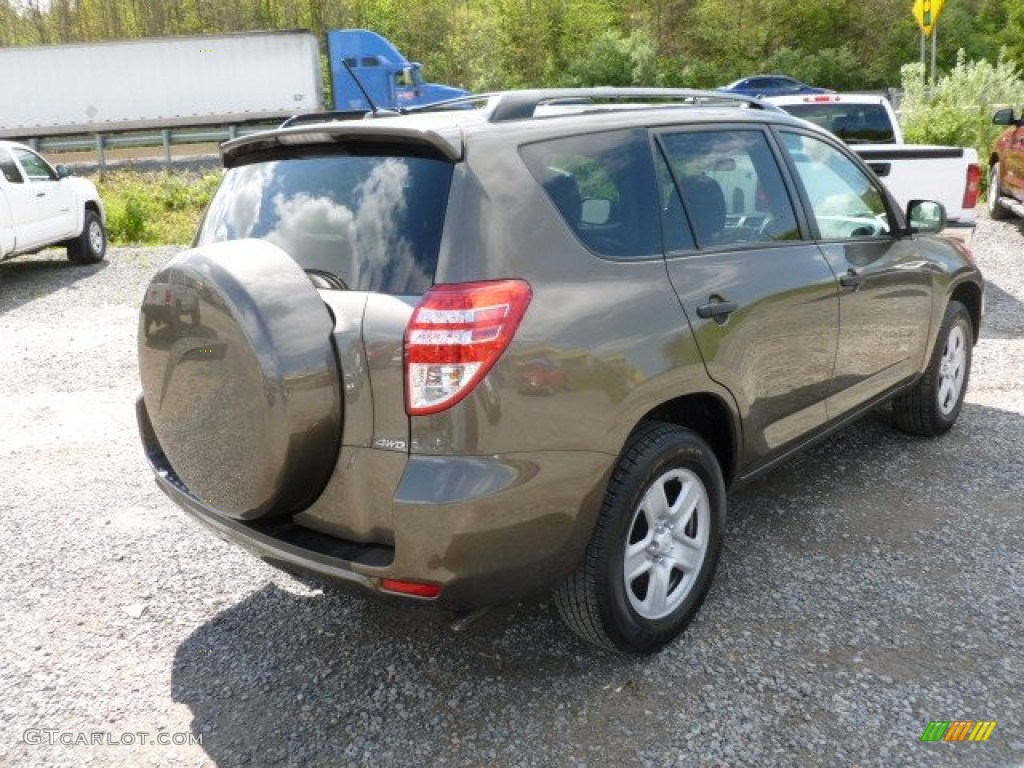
(867, 588)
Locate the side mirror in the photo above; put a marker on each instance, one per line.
(62, 171)
(926, 216)
(1004, 117)
(596, 211)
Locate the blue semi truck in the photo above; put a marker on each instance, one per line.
(385, 75)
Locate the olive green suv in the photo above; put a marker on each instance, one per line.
(526, 341)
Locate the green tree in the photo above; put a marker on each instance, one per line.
(486, 44)
(616, 60)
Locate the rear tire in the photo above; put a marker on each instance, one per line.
(90, 246)
(932, 405)
(995, 210)
(655, 546)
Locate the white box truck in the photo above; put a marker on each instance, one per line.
(158, 83)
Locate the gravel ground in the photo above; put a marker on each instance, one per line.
(867, 588)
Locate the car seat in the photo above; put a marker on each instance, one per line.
(705, 202)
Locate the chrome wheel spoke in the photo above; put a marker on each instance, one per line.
(638, 561)
(689, 553)
(686, 504)
(945, 393)
(656, 600)
(655, 504)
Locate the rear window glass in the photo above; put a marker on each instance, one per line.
(373, 222)
(853, 123)
(604, 186)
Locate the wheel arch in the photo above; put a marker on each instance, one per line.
(96, 207)
(713, 419)
(990, 180)
(970, 295)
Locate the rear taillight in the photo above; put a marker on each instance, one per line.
(973, 186)
(454, 337)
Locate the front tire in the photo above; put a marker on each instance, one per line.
(655, 546)
(932, 405)
(90, 246)
(995, 210)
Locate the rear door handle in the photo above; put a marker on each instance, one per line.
(851, 279)
(716, 309)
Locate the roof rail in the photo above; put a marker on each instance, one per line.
(505, 106)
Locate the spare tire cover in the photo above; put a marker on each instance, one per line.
(240, 378)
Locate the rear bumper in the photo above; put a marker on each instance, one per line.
(268, 543)
(486, 529)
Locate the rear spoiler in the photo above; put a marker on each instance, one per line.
(447, 143)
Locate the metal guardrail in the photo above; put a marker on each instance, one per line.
(163, 139)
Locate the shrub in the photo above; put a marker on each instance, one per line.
(958, 109)
(616, 60)
(161, 208)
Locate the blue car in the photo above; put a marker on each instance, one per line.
(771, 85)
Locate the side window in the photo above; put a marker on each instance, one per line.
(845, 201)
(10, 169)
(604, 187)
(731, 187)
(36, 168)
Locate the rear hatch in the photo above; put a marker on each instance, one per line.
(307, 268)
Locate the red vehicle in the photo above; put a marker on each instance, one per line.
(1006, 168)
(540, 375)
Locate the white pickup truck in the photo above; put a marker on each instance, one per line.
(42, 206)
(868, 124)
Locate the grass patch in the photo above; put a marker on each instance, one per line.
(162, 208)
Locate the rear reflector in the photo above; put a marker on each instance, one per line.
(414, 588)
(973, 187)
(455, 336)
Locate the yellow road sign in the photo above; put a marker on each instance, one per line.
(927, 13)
